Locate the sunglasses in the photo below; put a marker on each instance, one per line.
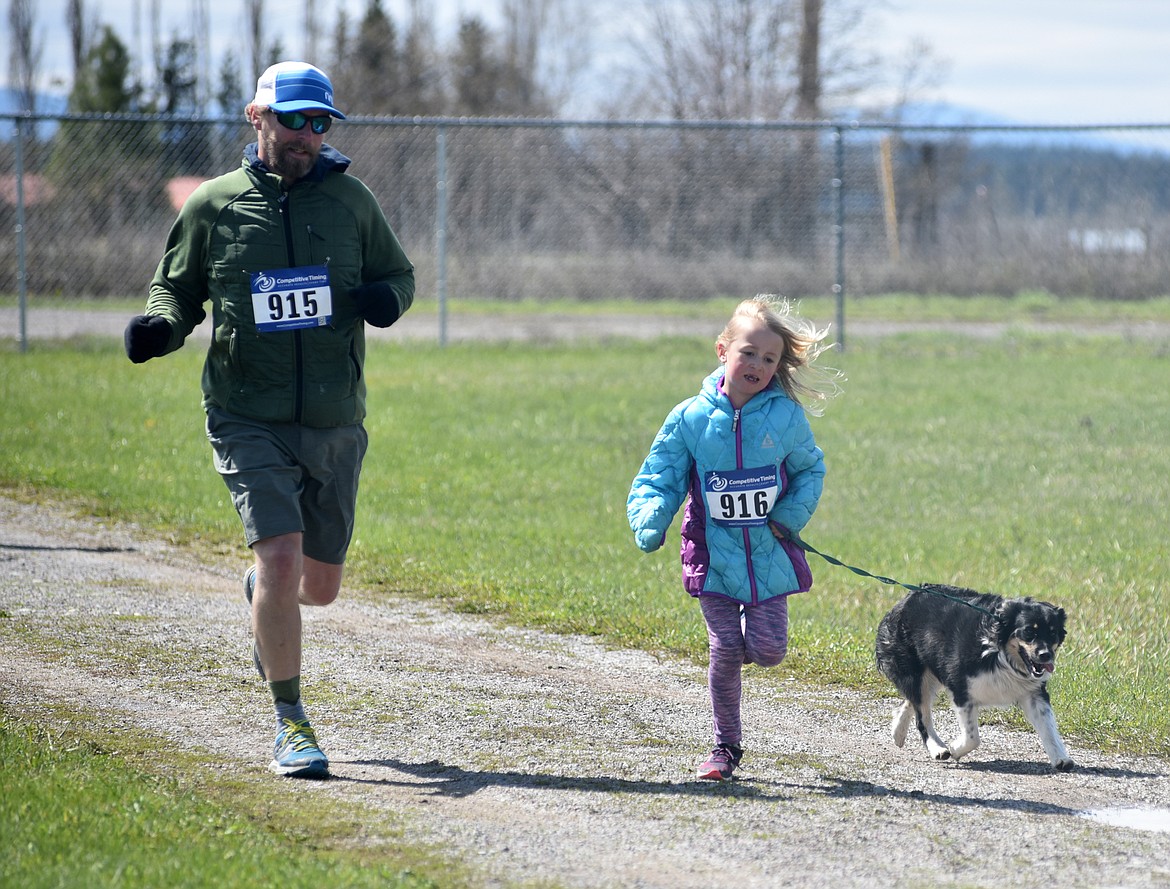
(296, 120)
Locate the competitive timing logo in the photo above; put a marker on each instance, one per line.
(740, 479)
(290, 279)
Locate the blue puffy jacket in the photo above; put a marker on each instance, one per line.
(742, 470)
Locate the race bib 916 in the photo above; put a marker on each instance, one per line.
(738, 497)
(285, 299)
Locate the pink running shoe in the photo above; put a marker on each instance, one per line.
(721, 763)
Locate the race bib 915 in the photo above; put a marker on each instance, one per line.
(738, 497)
(284, 299)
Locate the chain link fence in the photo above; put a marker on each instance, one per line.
(639, 211)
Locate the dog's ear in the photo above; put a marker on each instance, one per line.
(1055, 617)
(1058, 623)
(1005, 617)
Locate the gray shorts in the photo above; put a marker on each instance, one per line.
(286, 478)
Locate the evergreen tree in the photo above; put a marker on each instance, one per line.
(180, 79)
(229, 96)
(375, 69)
(185, 141)
(421, 91)
(490, 78)
(90, 158)
(476, 72)
(102, 85)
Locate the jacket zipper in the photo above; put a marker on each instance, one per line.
(298, 344)
(747, 540)
(313, 256)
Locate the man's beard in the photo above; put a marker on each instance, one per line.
(282, 162)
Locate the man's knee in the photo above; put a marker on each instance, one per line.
(318, 596)
(320, 583)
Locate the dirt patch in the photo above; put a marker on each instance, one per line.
(536, 757)
(553, 327)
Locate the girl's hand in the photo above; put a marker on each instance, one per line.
(649, 540)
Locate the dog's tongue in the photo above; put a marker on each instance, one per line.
(1048, 668)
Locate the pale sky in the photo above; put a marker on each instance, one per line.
(1046, 61)
(1022, 61)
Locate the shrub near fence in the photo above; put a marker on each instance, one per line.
(587, 210)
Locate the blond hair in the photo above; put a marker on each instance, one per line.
(803, 343)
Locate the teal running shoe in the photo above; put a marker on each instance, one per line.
(249, 589)
(296, 754)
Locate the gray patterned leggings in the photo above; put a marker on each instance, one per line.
(758, 635)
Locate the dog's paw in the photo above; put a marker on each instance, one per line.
(941, 754)
(1064, 765)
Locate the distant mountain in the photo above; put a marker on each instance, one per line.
(47, 103)
(990, 128)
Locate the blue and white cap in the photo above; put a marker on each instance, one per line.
(295, 86)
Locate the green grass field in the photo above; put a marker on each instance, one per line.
(75, 815)
(497, 477)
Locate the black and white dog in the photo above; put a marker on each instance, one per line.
(986, 651)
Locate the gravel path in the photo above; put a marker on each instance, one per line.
(541, 757)
(544, 327)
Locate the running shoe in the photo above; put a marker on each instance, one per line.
(249, 589)
(296, 754)
(721, 763)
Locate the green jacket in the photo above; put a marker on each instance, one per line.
(243, 223)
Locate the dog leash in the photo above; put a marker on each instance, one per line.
(889, 581)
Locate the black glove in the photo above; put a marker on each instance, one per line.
(376, 303)
(146, 337)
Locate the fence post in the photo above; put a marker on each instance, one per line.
(21, 264)
(839, 232)
(441, 229)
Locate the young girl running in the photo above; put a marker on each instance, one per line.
(743, 451)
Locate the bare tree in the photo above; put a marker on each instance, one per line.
(254, 23)
(201, 45)
(24, 61)
(546, 50)
(760, 60)
(422, 82)
(918, 71)
(568, 50)
(342, 48)
(524, 23)
(156, 48)
(808, 83)
(311, 32)
(717, 59)
(75, 22)
(748, 59)
(803, 190)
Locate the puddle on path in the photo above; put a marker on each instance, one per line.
(1136, 817)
